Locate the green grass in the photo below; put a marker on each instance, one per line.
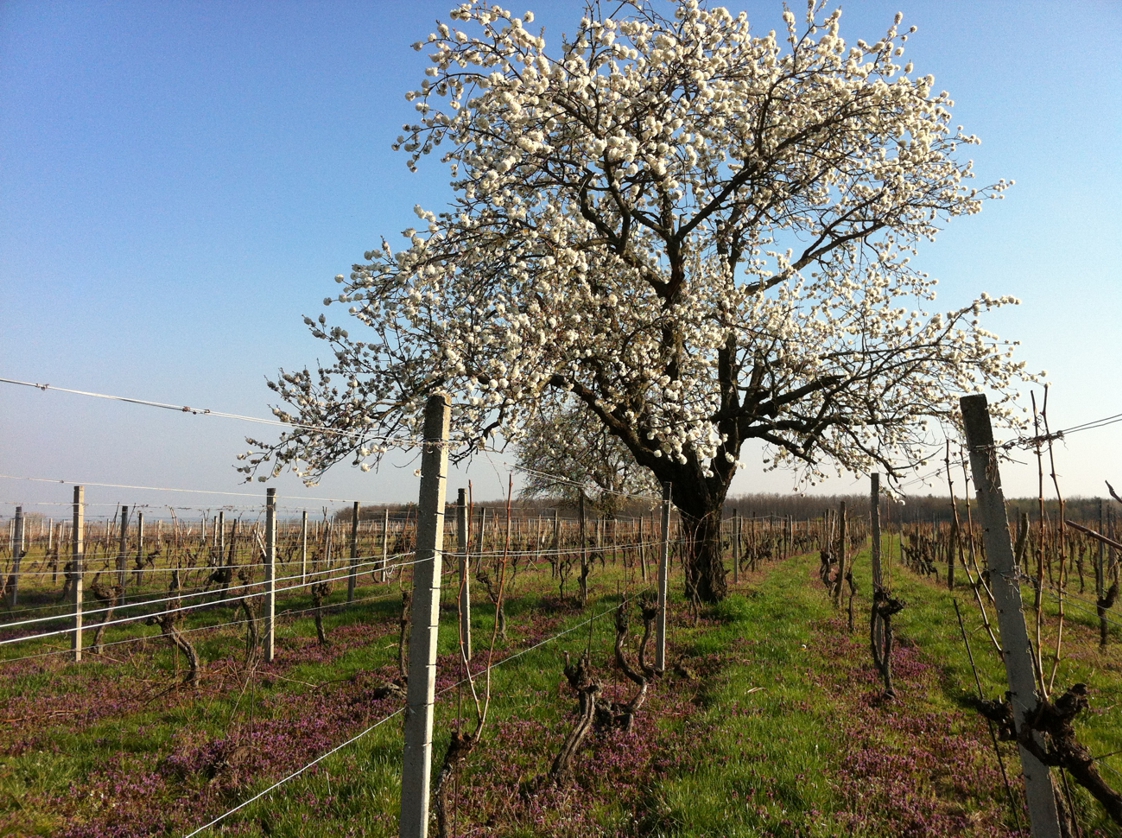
(772, 725)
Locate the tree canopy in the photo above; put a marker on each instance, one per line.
(565, 451)
(693, 234)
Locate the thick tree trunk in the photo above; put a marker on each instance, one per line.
(705, 570)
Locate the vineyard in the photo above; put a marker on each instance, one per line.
(227, 687)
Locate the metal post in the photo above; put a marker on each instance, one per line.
(352, 579)
(663, 574)
(1005, 584)
(78, 558)
(465, 574)
(426, 614)
(270, 574)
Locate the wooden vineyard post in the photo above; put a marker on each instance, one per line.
(425, 617)
(1101, 582)
(270, 574)
(736, 545)
(842, 545)
(555, 562)
(642, 550)
(77, 559)
(663, 582)
(1005, 584)
(880, 615)
(874, 526)
(385, 542)
(352, 578)
(583, 551)
(304, 547)
(482, 532)
(465, 574)
(122, 548)
(17, 555)
(140, 546)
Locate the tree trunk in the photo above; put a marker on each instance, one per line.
(705, 570)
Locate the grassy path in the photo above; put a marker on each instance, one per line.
(795, 740)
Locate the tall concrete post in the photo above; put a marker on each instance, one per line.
(78, 560)
(465, 573)
(1005, 584)
(17, 555)
(122, 549)
(421, 694)
(270, 574)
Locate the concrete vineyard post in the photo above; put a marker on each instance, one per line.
(270, 574)
(220, 541)
(663, 581)
(78, 548)
(17, 555)
(122, 547)
(465, 574)
(140, 545)
(1004, 581)
(420, 698)
(352, 578)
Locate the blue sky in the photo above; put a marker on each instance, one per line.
(179, 183)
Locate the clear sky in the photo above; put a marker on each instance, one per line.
(180, 181)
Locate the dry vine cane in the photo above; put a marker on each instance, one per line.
(1109, 596)
(397, 687)
(320, 592)
(880, 635)
(249, 606)
(169, 624)
(591, 712)
(463, 743)
(108, 596)
(1047, 734)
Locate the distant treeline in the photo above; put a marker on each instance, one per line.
(911, 509)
